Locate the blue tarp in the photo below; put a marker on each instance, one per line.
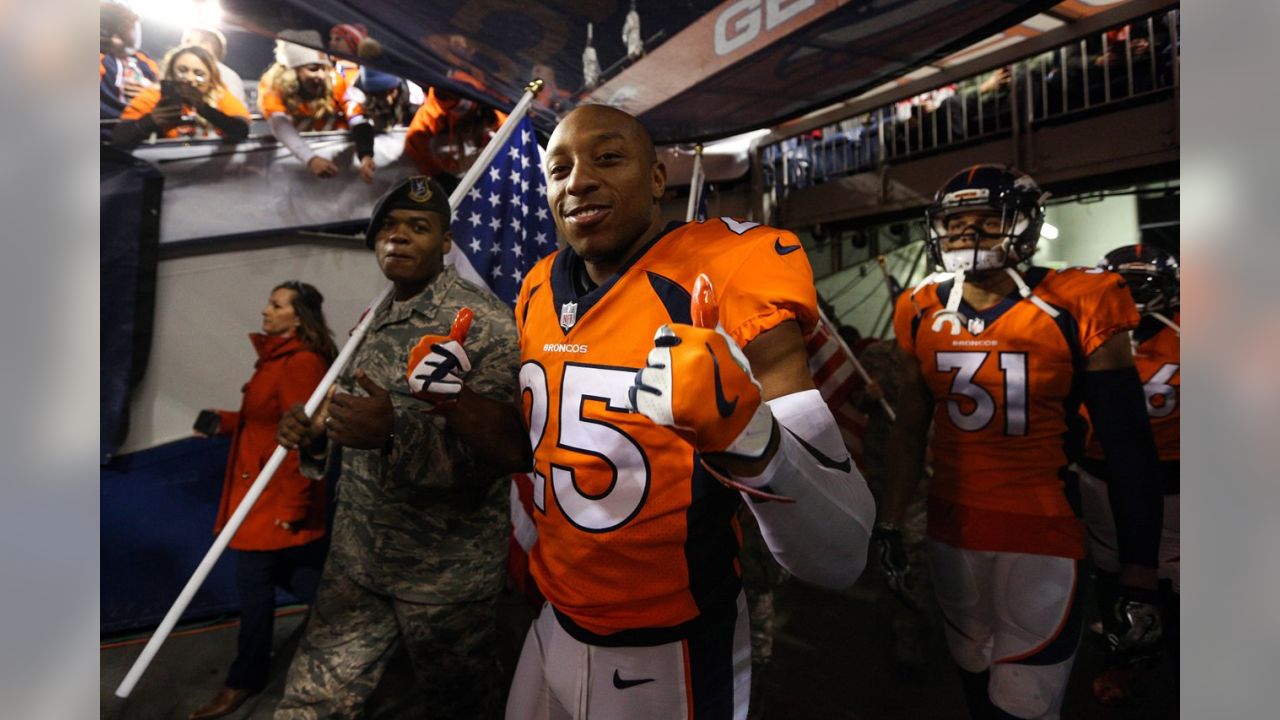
(129, 241)
(158, 508)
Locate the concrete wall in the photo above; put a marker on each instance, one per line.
(1089, 230)
(859, 293)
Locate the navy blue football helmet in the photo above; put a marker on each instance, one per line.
(1152, 274)
(1011, 194)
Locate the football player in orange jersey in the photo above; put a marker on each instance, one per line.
(998, 359)
(655, 401)
(1152, 275)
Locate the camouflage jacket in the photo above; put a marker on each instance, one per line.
(880, 361)
(424, 520)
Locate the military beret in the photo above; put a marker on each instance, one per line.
(417, 192)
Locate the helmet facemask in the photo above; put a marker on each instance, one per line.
(976, 259)
(1011, 196)
(1151, 291)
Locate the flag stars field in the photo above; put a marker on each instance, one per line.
(503, 225)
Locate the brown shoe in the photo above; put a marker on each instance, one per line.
(227, 701)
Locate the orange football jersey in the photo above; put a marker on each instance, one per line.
(1157, 355)
(146, 101)
(1004, 403)
(634, 537)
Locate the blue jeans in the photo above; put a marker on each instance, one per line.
(258, 574)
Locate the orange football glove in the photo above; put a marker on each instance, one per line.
(698, 381)
(438, 362)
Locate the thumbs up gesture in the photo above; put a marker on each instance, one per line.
(363, 422)
(697, 381)
(438, 363)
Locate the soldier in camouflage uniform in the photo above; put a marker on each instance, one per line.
(761, 575)
(419, 537)
(911, 612)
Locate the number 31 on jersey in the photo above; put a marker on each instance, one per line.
(965, 365)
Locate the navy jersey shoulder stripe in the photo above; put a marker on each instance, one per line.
(674, 298)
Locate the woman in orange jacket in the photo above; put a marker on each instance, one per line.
(281, 540)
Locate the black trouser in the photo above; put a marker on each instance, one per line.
(258, 574)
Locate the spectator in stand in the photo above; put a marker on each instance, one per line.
(190, 103)
(301, 92)
(212, 39)
(123, 69)
(1127, 51)
(449, 131)
(281, 542)
(388, 100)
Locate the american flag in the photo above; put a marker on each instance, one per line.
(837, 378)
(700, 213)
(891, 283)
(503, 225)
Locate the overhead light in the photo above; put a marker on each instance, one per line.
(737, 143)
(1049, 232)
(180, 13)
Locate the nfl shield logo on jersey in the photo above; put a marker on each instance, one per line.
(977, 325)
(568, 315)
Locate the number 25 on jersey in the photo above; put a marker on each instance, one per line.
(587, 444)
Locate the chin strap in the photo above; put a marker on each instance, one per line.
(951, 313)
(930, 278)
(1025, 292)
(1172, 325)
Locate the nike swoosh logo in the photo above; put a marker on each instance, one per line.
(723, 406)
(621, 684)
(784, 249)
(842, 465)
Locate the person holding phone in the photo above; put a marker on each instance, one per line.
(281, 542)
(189, 102)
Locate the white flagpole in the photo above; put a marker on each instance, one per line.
(455, 257)
(695, 184)
(237, 518)
(888, 409)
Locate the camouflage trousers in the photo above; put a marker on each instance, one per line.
(912, 619)
(760, 575)
(354, 632)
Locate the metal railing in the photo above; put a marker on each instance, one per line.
(1101, 71)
